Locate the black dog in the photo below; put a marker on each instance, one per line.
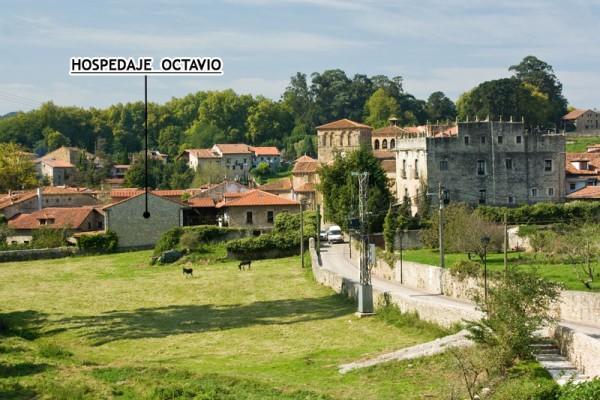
(188, 271)
(245, 263)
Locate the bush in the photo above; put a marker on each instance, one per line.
(169, 240)
(465, 269)
(544, 213)
(47, 238)
(287, 223)
(263, 246)
(101, 243)
(582, 391)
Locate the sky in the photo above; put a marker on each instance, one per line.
(434, 45)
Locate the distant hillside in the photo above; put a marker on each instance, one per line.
(10, 114)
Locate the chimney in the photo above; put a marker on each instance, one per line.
(39, 198)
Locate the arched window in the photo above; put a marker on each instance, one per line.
(350, 136)
(393, 144)
(341, 139)
(324, 140)
(376, 144)
(384, 144)
(331, 140)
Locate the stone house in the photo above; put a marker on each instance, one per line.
(582, 121)
(125, 218)
(255, 210)
(341, 137)
(498, 163)
(58, 172)
(582, 170)
(72, 219)
(235, 160)
(280, 187)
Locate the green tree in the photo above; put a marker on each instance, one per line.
(169, 140)
(268, 122)
(17, 171)
(390, 224)
(298, 99)
(340, 189)
(379, 108)
(517, 306)
(440, 108)
(533, 71)
(53, 139)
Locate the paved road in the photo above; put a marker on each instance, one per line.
(336, 258)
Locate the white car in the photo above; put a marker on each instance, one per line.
(334, 235)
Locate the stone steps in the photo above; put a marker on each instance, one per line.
(558, 366)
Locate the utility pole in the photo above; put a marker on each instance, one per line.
(302, 232)
(505, 244)
(365, 290)
(441, 225)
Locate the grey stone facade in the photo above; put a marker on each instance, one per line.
(237, 217)
(496, 163)
(126, 220)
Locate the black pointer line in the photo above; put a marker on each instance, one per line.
(146, 212)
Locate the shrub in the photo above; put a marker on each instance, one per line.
(169, 240)
(289, 224)
(544, 213)
(465, 269)
(263, 245)
(46, 238)
(169, 257)
(107, 242)
(582, 391)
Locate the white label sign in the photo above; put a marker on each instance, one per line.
(145, 66)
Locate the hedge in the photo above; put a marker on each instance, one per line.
(100, 243)
(544, 213)
(171, 239)
(269, 245)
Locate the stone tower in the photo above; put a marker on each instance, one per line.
(341, 136)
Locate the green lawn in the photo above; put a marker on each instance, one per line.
(112, 326)
(563, 273)
(579, 144)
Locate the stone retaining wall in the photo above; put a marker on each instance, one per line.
(36, 254)
(582, 350)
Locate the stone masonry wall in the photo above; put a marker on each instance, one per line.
(237, 216)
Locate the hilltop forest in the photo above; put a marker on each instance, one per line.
(207, 117)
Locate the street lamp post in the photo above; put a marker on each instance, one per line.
(485, 241)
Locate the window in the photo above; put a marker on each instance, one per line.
(572, 186)
(508, 163)
(534, 192)
(262, 158)
(403, 169)
(349, 141)
(393, 143)
(384, 144)
(270, 217)
(482, 196)
(466, 140)
(376, 145)
(342, 139)
(511, 200)
(500, 139)
(416, 168)
(482, 138)
(229, 161)
(100, 225)
(551, 191)
(548, 165)
(444, 165)
(248, 217)
(518, 139)
(480, 167)
(405, 192)
(89, 225)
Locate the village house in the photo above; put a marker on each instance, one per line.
(235, 160)
(482, 162)
(126, 219)
(255, 210)
(58, 166)
(305, 178)
(71, 219)
(24, 202)
(582, 121)
(280, 187)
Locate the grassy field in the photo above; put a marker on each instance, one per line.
(111, 326)
(579, 144)
(563, 273)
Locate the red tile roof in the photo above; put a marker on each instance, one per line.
(237, 148)
(57, 163)
(202, 153)
(280, 185)
(588, 192)
(265, 151)
(258, 198)
(391, 130)
(20, 196)
(16, 198)
(201, 202)
(344, 123)
(64, 217)
(305, 158)
(576, 113)
(305, 165)
(131, 192)
(123, 200)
